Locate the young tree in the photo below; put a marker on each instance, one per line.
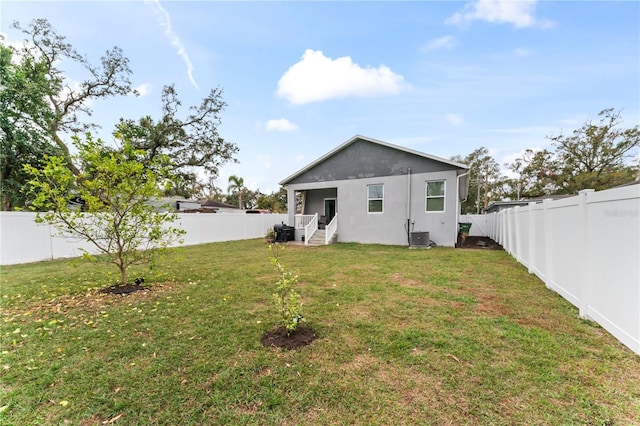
(286, 297)
(236, 186)
(192, 142)
(118, 217)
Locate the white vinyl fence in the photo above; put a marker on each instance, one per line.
(22, 240)
(586, 248)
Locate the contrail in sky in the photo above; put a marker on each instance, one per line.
(164, 19)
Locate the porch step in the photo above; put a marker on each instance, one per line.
(318, 238)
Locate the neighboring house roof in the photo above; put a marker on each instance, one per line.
(169, 203)
(635, 182)
(218, 204)
(358, 138)
(506, 204)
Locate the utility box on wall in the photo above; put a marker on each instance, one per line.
(419, 240)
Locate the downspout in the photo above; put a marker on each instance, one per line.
(409, 206)
(458, 202)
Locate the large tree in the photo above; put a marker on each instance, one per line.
(67, 104)
(485, 180)
(536, 174)
(192, 142)
(598, 155)
(23, 89)
(117, 192)
(276, 201)
(59, 108)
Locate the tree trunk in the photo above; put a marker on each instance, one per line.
(123, 274)
(65, 149)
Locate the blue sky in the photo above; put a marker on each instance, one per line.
(300, 78)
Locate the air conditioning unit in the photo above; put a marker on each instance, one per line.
(419, 240)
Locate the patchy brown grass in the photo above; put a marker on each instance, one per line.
(436, 336)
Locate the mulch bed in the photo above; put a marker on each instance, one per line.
(482, 243)
(123, 289)
(278, 338)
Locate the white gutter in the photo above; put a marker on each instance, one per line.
(409, 206)
(458, 202)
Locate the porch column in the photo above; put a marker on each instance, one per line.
(291, 206)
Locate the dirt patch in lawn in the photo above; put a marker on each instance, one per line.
(279, 338)
(124, 289)
(482, 243)
(406, 282)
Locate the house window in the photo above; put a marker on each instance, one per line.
(375, 198)
(435, 196)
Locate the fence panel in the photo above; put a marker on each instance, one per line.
(613, 293)
(586, 248)
(23, 241)
(479, 224)
(539, 263)
(565, 240)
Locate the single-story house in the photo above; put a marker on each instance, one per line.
(370, 191)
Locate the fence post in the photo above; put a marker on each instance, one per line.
(548, 247)
(508, 231)
(532, 239)
(585, 290)
(505, 228)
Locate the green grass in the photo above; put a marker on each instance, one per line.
(438, 336)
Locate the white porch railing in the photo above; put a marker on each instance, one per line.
(331, 229)
(310, 228)
(302, 220)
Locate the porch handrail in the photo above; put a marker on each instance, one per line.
(331, 229)
(302, 220)
(310, 228)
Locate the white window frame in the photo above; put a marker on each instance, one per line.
(427, 196)
(375, 199)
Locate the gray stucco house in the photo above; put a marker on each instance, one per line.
(370, 191)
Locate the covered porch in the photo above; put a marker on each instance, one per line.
(316, 217)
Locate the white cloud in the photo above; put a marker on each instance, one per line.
(454, 119)
(518, 13)
(143, 89)
(281, 125)
(444, 42)
(520, 52)
(164, 19)
(522, 130)
(316, 78)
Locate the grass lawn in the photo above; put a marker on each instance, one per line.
(440, 336)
